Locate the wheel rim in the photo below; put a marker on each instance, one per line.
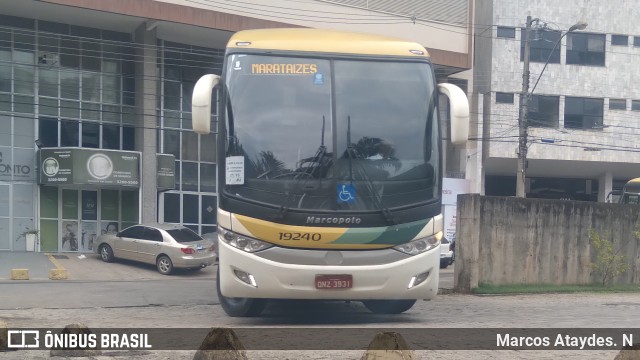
(105, 253)
(163, 264)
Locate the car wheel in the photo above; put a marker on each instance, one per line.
(388, 306)
(444, 264)
(164, 265)
(106, 254)
(239, 307)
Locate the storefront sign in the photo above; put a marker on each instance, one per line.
(166, 166)
(20, 166)
(73, 166)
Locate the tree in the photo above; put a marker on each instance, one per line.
(607, 263)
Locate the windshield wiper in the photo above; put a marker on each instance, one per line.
(377, 198)
(317, 163)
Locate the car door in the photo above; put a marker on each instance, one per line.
(150, 245)
(126, 242)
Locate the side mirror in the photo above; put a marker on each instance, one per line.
(201, 103)
(459, 109)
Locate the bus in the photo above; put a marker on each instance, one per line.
(329, 168)
(630, 192)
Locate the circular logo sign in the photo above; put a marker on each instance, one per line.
(99, 166)
(50, 167)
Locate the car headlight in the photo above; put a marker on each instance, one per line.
(421, 245)
(242, 242)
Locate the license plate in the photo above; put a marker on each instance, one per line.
(334, 281)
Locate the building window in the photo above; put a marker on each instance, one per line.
(48, 132)
(635, 105)
(617, 104)
(636, 41)
(543, 111)
(622, 40)
(541, 46)
(69, 133)
(504, 98)
(506, 32)
(583, 113)
(585, 49)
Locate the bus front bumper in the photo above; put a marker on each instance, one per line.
(276, 280)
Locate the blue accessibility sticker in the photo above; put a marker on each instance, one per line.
(346, 193)
(318, 79)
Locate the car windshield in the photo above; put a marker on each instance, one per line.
(184, 235)
(322, 134)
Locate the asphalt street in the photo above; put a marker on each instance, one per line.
(130, 295)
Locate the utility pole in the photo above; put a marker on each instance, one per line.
(521, 177)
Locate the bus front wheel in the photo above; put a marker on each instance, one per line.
(388, 306)
(239, 307)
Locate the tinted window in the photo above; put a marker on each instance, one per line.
(635, 105)
(152, 234)
(619, 40)
(543, 111)
(506, 32)
(184, 235)
(48, 131)
(134, 232)
(617, 104)
(504, 98)
(583, 113)
(541, 46)
(585, 49)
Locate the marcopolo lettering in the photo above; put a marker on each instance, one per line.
(333, 220)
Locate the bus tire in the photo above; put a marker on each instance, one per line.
(239, 307)
(388, 306)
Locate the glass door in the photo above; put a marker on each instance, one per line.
(69, 228)
(89, 220)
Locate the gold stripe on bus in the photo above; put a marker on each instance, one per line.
(308, 237)
(275, 233)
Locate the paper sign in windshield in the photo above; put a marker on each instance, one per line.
(235, 170)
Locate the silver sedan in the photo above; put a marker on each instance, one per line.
(166, 246)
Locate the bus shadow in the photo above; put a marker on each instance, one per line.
(310, 312)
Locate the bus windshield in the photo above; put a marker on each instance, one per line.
(331, 134)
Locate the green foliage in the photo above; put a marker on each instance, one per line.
(607, 263)
(488, 289)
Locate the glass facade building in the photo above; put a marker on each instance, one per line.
(66, 86)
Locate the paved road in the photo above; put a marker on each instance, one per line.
(149, 300)
(447, 311)
(93, 283)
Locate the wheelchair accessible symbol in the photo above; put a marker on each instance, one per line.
(346, 193)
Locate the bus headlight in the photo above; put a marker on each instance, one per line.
(419, 246)
(242, 242)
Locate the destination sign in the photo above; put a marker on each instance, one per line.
(288, 69)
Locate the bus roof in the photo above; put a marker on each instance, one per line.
(634, 181)
(329, 41)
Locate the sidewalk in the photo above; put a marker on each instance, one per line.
(38, 264)
(86, 267)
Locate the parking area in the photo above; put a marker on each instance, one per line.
(88, 267)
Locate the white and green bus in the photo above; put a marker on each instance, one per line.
(330, 168)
